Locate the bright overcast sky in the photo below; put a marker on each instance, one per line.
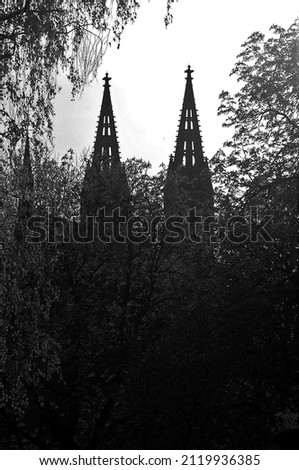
(148, 77)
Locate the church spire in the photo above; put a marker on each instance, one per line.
(189, 149)
(106, 149)
(189, 160)
(105, 182)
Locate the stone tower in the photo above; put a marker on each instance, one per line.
(105, 183)
(188, 164)
(106, 149)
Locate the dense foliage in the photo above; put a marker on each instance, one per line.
(156, 345)
(263, 114)
(41, 38)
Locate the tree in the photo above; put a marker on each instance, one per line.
(80, 312)
(263, 114)
(153, 345)
(43, 38)
(259, 165)
(258, 168)
(39, 40)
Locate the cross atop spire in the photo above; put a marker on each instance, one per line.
(107, 80)
(189, 73)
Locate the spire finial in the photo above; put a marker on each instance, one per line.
(106, 80)
(189, 73)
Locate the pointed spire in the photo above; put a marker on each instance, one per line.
(105, 182)
(189, 148)
(106, 149)
(189, 158)
(170, 164)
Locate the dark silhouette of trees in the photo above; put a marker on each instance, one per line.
(258, 170)
(155, 345)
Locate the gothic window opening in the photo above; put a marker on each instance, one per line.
(184, 153)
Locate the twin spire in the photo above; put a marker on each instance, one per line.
(188, 160)
(188, 150)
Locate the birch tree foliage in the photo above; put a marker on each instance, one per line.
(41, 38)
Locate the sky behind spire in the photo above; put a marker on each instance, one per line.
(147, 72)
